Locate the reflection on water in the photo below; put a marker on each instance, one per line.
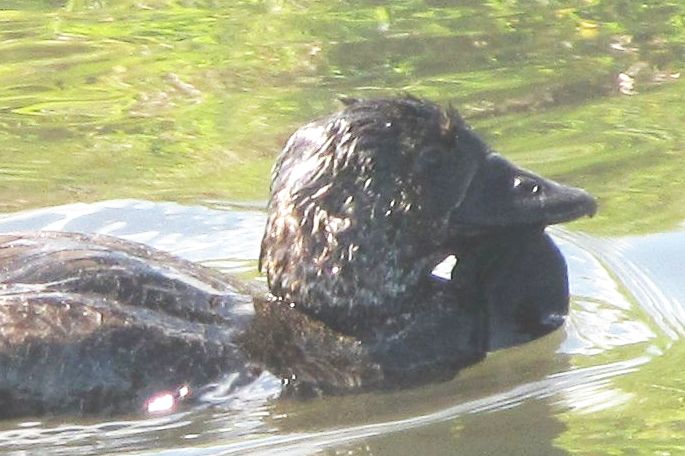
(662, 270)
(224, 239)
(188, 100)
(602, 316)
(619, 324)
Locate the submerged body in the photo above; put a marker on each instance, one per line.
(95, 324)
(364, 204)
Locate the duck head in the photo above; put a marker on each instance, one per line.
(366, 201)
(502, 195)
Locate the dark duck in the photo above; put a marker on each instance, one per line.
(364, 204)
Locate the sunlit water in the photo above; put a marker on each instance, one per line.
(189, 101)
(626, 314)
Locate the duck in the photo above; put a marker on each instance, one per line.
(364, 203)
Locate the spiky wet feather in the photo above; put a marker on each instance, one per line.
(352, 222)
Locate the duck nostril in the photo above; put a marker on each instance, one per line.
(524, 184)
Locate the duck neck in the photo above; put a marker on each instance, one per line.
(429, 343)
(309, 356)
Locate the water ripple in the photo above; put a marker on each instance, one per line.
(615, 304)
(308, 443)
(667, 313)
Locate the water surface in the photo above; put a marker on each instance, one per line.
(158, 121)
(625, 323)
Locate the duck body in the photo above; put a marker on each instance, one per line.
(95, 324)
(364, 203)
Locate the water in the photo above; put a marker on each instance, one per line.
(158, 121)
(624, 320)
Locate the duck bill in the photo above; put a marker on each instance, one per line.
(503, 195)
(561, 204)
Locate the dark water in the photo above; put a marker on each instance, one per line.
(181, 105)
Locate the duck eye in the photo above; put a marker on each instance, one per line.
(524, 184)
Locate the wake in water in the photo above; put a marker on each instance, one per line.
(615, 304)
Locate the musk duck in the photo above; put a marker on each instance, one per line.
(364, 204)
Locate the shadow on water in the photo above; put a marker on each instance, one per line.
(627, 312)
